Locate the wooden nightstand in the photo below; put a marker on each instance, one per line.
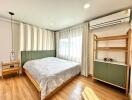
(10, 67)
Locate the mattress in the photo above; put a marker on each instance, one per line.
(51, 72)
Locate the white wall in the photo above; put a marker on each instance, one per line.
(107, 31)
(6, 41)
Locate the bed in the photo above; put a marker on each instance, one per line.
(50, 73)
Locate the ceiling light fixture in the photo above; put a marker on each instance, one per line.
(87, 5)
(12, 53)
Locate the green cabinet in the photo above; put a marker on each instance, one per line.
(111, 73)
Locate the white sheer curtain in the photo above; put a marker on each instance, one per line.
(34, 38)
(69, 43)
(35, 34)
(85, 50)
(40, 38)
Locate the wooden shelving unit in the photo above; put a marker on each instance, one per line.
(125, 49)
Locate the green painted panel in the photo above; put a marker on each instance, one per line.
(100, 70)
(31, 55)
(117, 74)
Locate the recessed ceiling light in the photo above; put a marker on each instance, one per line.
(87, 5)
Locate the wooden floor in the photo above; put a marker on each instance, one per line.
(20, 88)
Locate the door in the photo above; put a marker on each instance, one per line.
(100, 70)
(117, 74)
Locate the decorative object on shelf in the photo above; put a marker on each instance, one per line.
(12, 53)
(110, 59)
(105, 59)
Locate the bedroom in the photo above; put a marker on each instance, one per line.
(65, 50)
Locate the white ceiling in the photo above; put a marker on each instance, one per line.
(60, 13)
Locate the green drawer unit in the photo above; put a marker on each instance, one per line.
(114, 74)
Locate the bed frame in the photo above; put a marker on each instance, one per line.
(35, 83)
(28, 55)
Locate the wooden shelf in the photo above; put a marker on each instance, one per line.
(113, 62)
(10, 63)
(112, 48)
(112, 38)
(10, 70)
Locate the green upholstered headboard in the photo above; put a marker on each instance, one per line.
(31, 55)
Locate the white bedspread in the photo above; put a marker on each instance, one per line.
(51, 72)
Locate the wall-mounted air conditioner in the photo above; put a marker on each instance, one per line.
(117, 18)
